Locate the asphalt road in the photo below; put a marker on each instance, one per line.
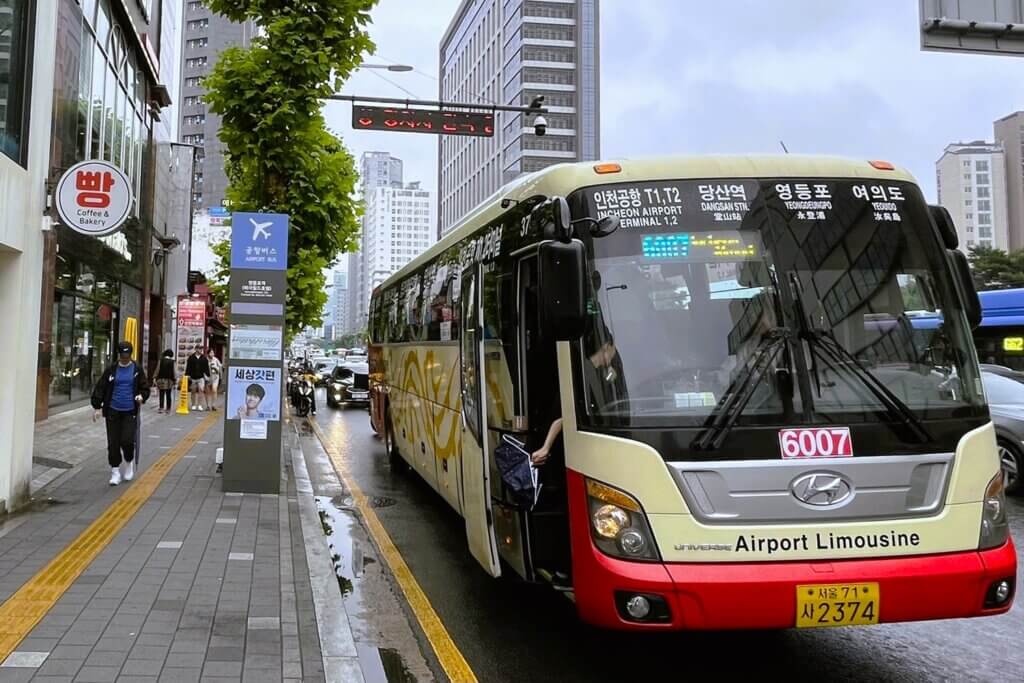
(510, 631)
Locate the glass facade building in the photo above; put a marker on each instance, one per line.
(508, 52)
(107, 101)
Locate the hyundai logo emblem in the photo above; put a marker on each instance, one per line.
(822, 489)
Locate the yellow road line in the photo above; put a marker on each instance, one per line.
(448, 654)
(23, 610)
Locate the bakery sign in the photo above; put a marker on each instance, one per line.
(94, 198)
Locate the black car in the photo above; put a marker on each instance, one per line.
(1006, 405)
(349, 384)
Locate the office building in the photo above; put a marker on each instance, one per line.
(205, 34)
(399, 224)
(508, 52)
(971, 180)
(337, 305)
(1009, 132)
(376, 169)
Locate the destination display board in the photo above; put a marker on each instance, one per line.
(735, 219)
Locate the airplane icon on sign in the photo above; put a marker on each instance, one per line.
(260, 229)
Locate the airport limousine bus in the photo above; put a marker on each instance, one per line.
(753, 433)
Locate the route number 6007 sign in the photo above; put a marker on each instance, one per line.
(826, 442)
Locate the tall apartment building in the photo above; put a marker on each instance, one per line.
(971, 179)
(205, 34)
(399, 224)
(508, 52)
(1009, 132)
(376, 169)
(337, 305)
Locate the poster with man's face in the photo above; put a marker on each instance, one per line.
(254, 393)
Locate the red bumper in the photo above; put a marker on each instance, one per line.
(763, 595)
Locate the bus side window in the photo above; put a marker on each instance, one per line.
(500, 350)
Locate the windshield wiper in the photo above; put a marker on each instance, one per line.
(823, 344)
(741, 390)
(823, 341)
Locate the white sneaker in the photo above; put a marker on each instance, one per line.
(115, 476)
(129, 470)
(199, 408)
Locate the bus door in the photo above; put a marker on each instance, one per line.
(475, 457)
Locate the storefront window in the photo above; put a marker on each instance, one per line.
(14, 58)
(84, 334)
(61, 366)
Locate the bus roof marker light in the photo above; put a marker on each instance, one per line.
(610, 167)
(882, 165)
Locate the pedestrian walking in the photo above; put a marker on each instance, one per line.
(198, 370)
(121, 389)
(166, 380)
(216, 370)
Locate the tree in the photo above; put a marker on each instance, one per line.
(279, 156)
(995, 268)
(356, 340)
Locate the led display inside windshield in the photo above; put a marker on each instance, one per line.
(721, 244)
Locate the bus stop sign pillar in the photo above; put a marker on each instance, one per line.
(254, 366)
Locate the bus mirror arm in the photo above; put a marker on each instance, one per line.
(599, 227)
(965, 285)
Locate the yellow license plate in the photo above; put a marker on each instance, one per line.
(837, 604)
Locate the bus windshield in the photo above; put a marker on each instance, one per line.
(783, 301)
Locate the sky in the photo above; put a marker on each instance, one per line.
(839, 77)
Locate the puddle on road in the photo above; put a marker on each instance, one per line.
(380, 665)
(383, 665)
(346, 553)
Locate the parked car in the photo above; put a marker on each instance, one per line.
(1006, 404)
(349, 385)
(1004, 371)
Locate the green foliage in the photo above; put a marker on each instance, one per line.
(352, 341)
(279, 157)
(995, 268)
(219, 282)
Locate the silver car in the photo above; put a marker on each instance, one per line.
(1006, 404)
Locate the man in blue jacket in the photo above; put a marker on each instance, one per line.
(117, 396)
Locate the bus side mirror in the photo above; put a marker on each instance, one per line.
(561, 288)
(947, 230)
(965, 283)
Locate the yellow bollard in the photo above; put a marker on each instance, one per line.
(183, 397)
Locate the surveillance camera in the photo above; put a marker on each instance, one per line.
(540, 125)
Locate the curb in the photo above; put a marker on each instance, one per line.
(337, 644)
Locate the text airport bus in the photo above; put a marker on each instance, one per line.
(745, 446)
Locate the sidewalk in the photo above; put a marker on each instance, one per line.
(196, 585)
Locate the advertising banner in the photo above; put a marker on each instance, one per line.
(191, 329)
(254, 393)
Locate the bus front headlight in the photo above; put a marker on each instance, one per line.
(618, 524)
(995, 528)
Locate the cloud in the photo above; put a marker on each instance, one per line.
(736, 76)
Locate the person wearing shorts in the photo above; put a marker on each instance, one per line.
(198, 370)
(216, 369)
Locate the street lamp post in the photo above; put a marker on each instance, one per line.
(388, 67)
